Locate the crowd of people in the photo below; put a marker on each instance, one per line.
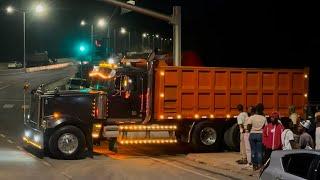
(259, 135)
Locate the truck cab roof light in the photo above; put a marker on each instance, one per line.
(56, 115)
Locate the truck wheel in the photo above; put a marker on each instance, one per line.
(232, 138)
(68, 142)
(205, 137)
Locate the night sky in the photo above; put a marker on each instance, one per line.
(221, 32)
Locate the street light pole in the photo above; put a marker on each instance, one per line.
(24, 41)
(114, 40)
(91, 42)
(129, 46)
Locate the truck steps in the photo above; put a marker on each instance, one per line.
(147, 134)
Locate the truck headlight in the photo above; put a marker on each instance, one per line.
(36, 138)
(27, 133)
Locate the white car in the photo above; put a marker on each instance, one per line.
(14, 65)
(292, 165)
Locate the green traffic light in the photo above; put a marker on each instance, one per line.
(82, 48)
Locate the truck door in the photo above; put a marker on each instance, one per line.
(125, 100)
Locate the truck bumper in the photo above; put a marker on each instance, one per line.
(33, 137)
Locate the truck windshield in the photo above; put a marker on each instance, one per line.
(101, 84)
(34, 108)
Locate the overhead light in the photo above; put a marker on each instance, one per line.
(123, 30)
(83, 23)
(9, 9)
(39, 8)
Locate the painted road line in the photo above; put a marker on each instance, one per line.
(3, 87)
(9, 141)
(66, 175)
(46, 163)
(20, 148)
(7, 106)
(182, 168)
(2, 135)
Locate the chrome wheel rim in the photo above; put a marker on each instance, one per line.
(208, 136)
(68, 143)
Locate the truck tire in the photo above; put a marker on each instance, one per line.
(67, 142)
(232, 138)
(205, 137)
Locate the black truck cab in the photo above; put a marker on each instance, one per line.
(65, 123)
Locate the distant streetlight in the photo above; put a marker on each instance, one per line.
(157, 35)
(102, 23)
(39, 9)
(144, 35)
(83, 23)
(123, 30)
(9, 9)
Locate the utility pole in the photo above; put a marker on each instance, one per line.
(174, 19)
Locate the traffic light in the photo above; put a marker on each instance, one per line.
(82, 48)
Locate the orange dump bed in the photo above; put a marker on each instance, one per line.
(200, 92)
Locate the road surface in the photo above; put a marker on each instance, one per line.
(146, 162)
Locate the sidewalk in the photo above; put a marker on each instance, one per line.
(224, 161)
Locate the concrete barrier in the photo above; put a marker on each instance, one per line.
(49, 67)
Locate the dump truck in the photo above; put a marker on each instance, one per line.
(194, 105)
(161, 104)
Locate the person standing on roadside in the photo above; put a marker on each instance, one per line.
(287, 137)
(272, 135)
(305, 141)
(240, 120)
(256, 124)
(251, 112)
(293, 115)
(317, 135)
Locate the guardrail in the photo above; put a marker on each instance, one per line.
(49, 67)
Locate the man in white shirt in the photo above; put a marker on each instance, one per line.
(240, 120)
(287, 138)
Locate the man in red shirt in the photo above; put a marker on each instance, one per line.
(272, 135)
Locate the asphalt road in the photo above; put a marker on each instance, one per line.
(146, 162)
